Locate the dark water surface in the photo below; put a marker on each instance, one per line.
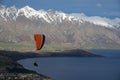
(78, 68)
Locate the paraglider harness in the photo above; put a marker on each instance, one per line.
(35, 64)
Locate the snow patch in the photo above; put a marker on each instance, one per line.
(99, 20)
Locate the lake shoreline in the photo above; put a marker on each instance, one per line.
(70, 53)
(14, 56)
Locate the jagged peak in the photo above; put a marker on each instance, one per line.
(27, 11)
(12, 9)
(27, 8)
(52, 15)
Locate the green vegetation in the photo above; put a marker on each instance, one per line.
(54, 48)
(17, 46)
(30, 47)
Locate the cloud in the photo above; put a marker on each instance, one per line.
(99, 5)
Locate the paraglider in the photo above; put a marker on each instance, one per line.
(39, 40)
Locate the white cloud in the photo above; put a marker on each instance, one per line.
(99, 5)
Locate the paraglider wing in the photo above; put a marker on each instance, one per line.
(40, 40)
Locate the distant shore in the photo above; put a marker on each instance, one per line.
(70, 53)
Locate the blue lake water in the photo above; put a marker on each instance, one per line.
(78, 68)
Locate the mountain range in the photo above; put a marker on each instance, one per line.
(60, 29)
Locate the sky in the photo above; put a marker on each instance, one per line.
(103, 8)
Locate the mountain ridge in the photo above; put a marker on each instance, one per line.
(30, 12)
(19, 25)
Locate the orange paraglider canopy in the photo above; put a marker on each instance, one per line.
(39, 40)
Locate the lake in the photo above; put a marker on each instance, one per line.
(78, 68)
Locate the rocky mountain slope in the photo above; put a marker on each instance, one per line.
(19, 25)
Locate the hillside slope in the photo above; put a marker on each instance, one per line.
(60, 29)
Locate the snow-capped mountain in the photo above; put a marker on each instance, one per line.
(81, 31)
(48, 16)
(51, 16)
(99, 20)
